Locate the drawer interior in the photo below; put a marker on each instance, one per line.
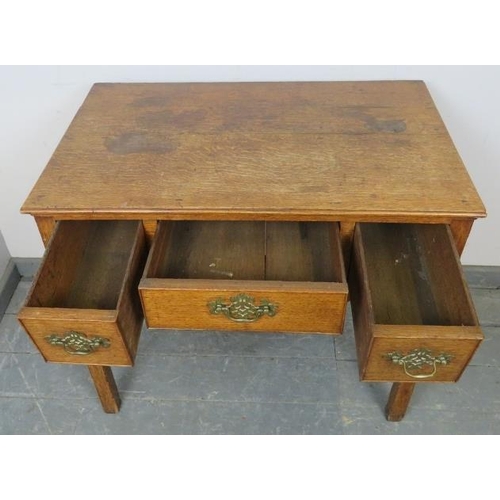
(85, 265)
(414, 275)
(247, 250)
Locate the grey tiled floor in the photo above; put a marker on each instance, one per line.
(238, 383)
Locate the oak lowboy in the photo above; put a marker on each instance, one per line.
(257, 207)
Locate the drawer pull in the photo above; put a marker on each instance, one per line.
(77, 343)
(417, 360)
(242, 308)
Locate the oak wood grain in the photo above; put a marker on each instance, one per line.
(361, 302)
(149, 226)
(59, 266)
(105, 385)
(290, 151)
(279, 251)
(98, 282)
(399, 399)
(302, 251)
(42, 322)
(415, 276)
(460, 229)
(84, 266)
(129, 314)
(302, 307)
(214, 250)
(380, 369)
(346, 238)
(46, 226)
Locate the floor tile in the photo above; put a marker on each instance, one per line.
(27, 267)
(487, 305)
(202, 417)
(488, 353)
(367, 421)
(230, 378)
(13, 338)
(355, 394)
(206, 343)
(27, 375)
(63, 415)
(42, 416)
(476, 391)
(14, 382)
(19, 297)
(178, 378)
(21, 416)
(482, 276)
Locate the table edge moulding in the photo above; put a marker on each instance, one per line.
(257, 207)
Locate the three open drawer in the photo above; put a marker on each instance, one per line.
(413, 315)
(84, 305)
(259, 276)
(414, 319)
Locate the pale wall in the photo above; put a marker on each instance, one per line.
(38, 103)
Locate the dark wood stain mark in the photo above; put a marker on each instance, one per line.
(150, 101)
(375, 124)
(135, 142)
(394, 126)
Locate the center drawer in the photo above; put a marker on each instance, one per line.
(258, 276)
(414, 320)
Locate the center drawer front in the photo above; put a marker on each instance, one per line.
(265, 277)
(84, 306)
(414, 320)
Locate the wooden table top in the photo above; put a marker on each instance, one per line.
(360, 151)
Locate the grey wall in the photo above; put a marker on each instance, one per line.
(4, 255)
